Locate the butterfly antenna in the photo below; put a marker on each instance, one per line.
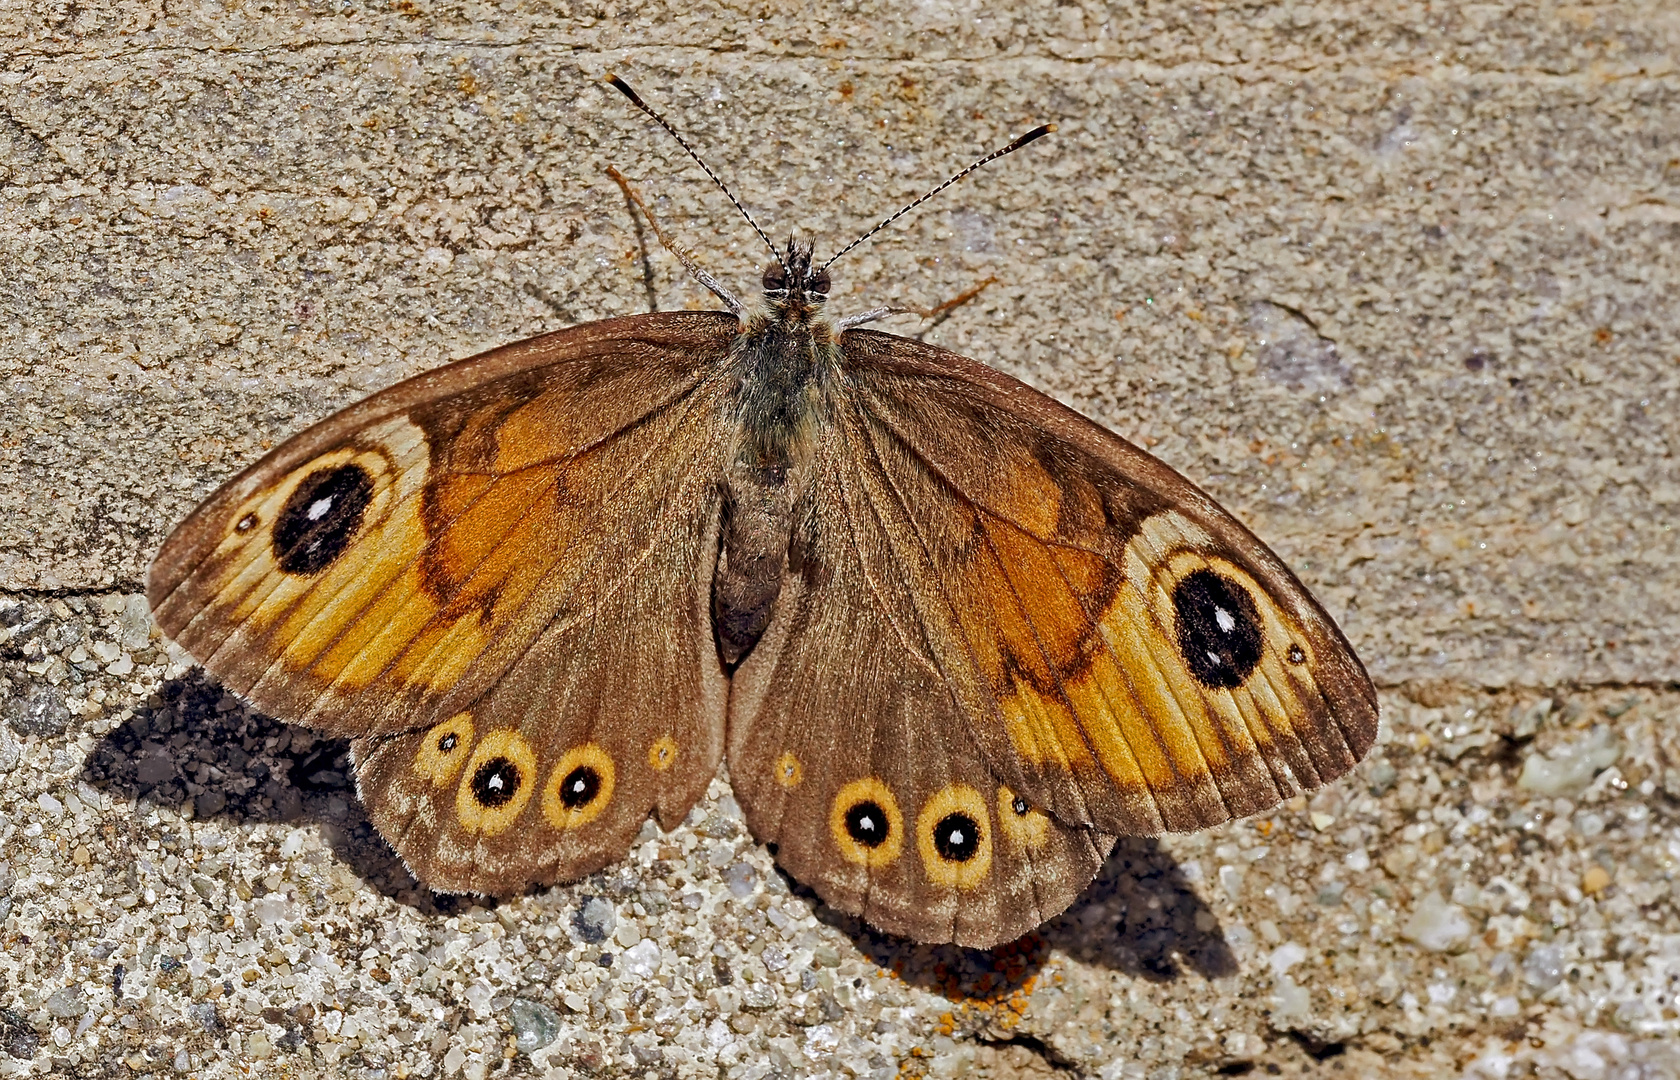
(636, 100)
(1036, 133)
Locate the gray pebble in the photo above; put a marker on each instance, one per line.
(205, 1015)
(21, 1043)
(66, 1002)
(1544, 966)
(740, 878)
(1381, 775)
(40, 711)
(720, 827)
(135, 626)
(535, 1025)
(595, 920)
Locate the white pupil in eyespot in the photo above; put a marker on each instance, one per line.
(866, 823)
(1227, 622)
(495, 782)
(1213, 658)
(580, 785)
(956, 836)
(318, 509)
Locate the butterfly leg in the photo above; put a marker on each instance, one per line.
(712, 284)
(939, 313)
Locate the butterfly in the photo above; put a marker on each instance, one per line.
(952, 637)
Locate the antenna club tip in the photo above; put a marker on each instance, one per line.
(624, 88)
(1050, 128)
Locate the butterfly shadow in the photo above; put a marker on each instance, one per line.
(196, 749)
(1140, 917)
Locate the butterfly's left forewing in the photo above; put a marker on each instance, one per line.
(1057, 623)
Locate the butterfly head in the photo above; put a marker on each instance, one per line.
(791, 280)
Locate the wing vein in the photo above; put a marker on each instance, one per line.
(326, 691)
(435, 539)
(618, 582)
(921, 539)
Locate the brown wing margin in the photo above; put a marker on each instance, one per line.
(1067, 580)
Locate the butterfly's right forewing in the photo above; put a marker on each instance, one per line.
(1141, 646)
(495, 578)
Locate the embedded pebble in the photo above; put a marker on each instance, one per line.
(594, 920)
(740, 878)
(642, 959)
(1569, 769)
(535, 1025)
(1436, 924)
(206, 1016)
(1544, 966)
(66, 1002)
(41, 711)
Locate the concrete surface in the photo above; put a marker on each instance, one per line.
(1395, 282)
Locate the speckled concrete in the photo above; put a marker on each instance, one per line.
(1394, 282)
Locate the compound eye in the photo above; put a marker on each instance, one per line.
(818, 284)
(775, 278)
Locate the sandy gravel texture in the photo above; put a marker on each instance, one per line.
(1394, 282)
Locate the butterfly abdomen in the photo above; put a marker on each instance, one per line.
(781, 363)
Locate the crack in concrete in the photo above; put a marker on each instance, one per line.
(1052, 1058)
(116, 588)
(1142, 70)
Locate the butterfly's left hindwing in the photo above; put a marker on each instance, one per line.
(852, 750)
(494, 577)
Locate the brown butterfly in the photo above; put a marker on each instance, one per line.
(952, 637)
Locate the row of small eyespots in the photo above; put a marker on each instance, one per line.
(494, 787)
(953, 827)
